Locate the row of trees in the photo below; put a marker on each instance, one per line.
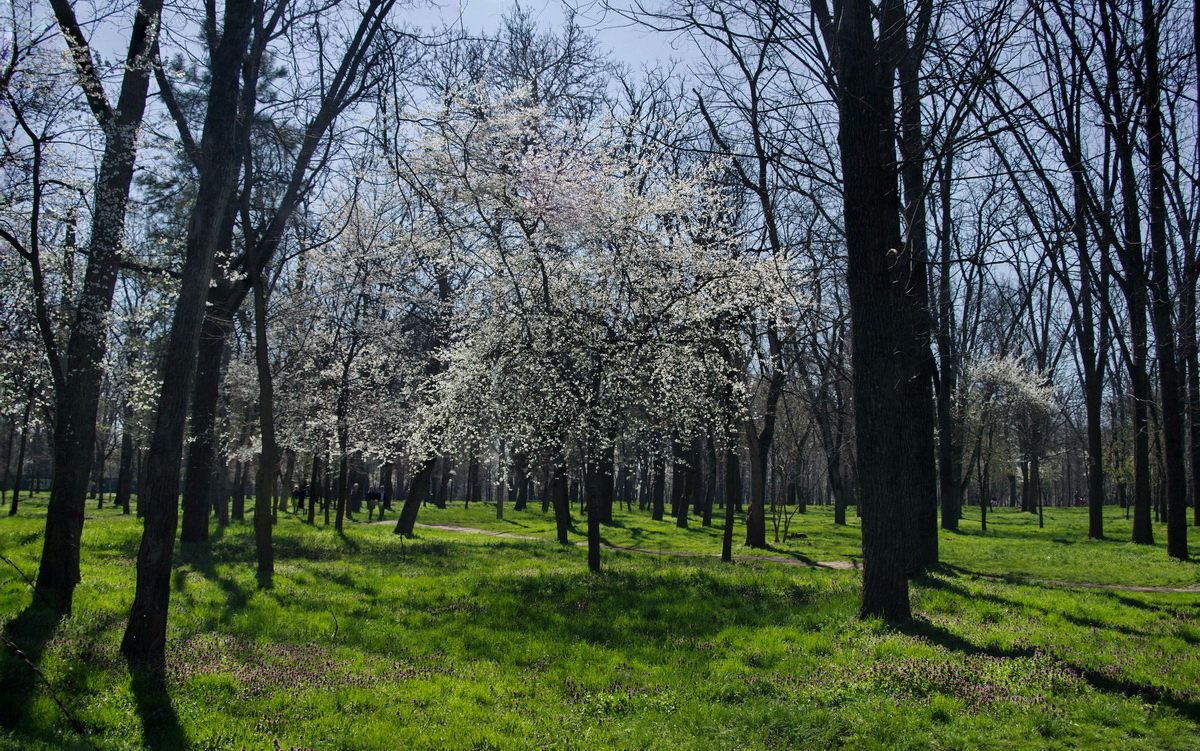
(905, 251)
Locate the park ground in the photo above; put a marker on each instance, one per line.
(468, 641)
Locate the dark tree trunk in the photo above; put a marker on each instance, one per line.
(220, 492)
(314, 487)
(557, 490)
(884, 315)
(605, 487)
(592, 490)
(239, 494)
(920, 471)
(145, 637)
(709, 485)
(756, 518)
(1170, 382)
(18, 479)
(202, 447)
(268, 458)
(77, 387)
(658, 490)
(950, 469)
(733, 494)
(520, 496)
(125, 469)
(343, 481)
(386, 487)
(418, 490)
(681, 480)
(837, 487)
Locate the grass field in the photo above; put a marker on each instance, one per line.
(455, 641)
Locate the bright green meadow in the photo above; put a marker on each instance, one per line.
(466, 641)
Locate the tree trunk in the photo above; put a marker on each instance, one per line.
(681, 480)
(1170, 381)
(733, 492)
(314, 487)
(238, 494)
(418, 489)
(125, 469)
(658, 490)
(591, 490)
(343, 480)
(202, 448)
(949, 441)
(77, 394)
(557, 489)
(145, 636)
(17, 480)
(920, 477)
(883, 315)
(756, 521)
(268, 458)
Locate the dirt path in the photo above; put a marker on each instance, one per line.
(791, 561)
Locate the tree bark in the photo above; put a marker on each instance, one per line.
(591, 490)
(920, 478)
(557, 489)
(418, 490)
(883, 315)
(1170, 381)
(681, 481)
(145, 637)
(268, 458)
(77, 395)
(125, 468)
(658, 490)
(19, 478)
(202, 448)
(733, 494)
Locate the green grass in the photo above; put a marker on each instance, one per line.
(368, 641)
(1013, 545)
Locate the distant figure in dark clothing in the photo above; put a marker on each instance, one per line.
(374, 498)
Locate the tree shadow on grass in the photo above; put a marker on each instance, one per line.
(1077, 620)
(792, 554)
(200, 559)
(1101, 682)
(25, 639)
(160, 723)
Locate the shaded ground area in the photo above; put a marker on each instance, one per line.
(797, 561)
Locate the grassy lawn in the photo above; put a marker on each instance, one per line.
(452, 641)
(1013, 546)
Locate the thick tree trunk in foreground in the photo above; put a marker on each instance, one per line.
(920, 480)
(1170, 381)
(77, 394)
(883, 315)
(145, 637)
